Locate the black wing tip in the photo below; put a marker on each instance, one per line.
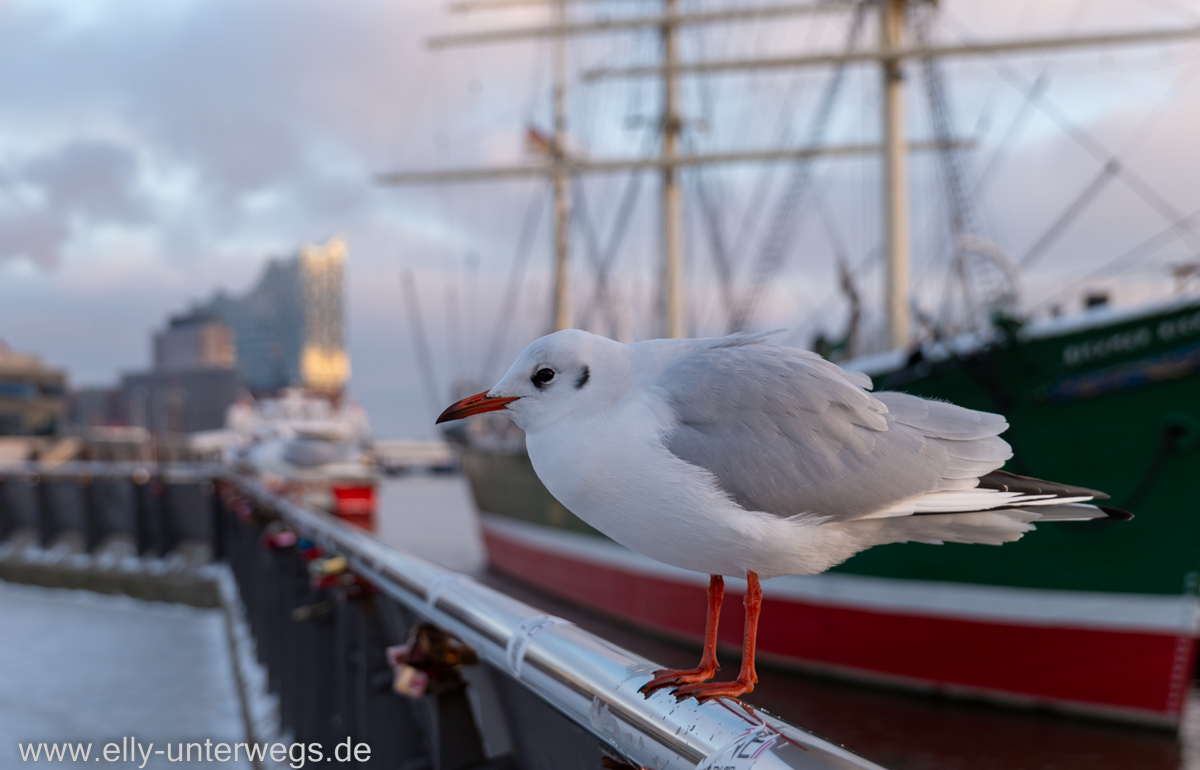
(1115, 514)
(1005, 481)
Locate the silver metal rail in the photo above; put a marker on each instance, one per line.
(589, 680)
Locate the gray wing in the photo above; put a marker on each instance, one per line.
(786, 432)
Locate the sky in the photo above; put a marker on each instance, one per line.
(152, 153)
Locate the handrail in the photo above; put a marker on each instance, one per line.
(589, 680)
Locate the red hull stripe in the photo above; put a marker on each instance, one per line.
(1136, 672)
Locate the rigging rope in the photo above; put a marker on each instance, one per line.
(1097, 149)
(603, 259)
(1146, 248)
(420, 342)
(716, 243)
(529, 226)
(1070, 213)
(756, 207)
(785, 222)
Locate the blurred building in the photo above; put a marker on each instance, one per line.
(193, 382)
(289, 330)
(169, 402)
(33, 400)
(93, 407)
(197, 340)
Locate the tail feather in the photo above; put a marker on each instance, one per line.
(1076, 511)
(984, 527)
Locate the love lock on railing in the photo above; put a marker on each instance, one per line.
(428, 667)
(429, 663)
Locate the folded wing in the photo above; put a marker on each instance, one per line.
(788, 433)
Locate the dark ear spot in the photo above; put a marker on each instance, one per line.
(583, 378)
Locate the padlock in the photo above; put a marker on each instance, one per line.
(309, 550)
(409, 681)
(276, 536)
(314, 610)
(433, 652)
(335, 565)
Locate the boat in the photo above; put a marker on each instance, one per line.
(1088, 619)
(304, 446)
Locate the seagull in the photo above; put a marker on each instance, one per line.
(739, 457)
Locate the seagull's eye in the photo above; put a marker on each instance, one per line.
(542, 376)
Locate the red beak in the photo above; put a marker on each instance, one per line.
(476, 404)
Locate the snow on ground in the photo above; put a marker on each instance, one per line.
(79, 666)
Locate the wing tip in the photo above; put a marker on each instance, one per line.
(1114, 514)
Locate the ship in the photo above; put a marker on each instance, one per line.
(1088, 619)
(304, 447)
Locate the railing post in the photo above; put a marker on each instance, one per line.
(219, 525)
(168, 502)
(8, 522)
(45, 512)
(390, 724)
(145, 505)
(288, 663)
(92, 523)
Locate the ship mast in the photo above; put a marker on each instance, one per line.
(890, 55)
(674, 321)
(563, 317)
(896, 237)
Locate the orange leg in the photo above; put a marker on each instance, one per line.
(708, 662)
(747, 677)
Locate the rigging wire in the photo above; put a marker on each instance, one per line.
(1094, 147)
(836, 241)
(962, 215)
(699, 179)
(785, 222)
(604, 258)
(1130, 257)
(752, 214)
(420, 342)
(999, 154)
(529, 226)
(1085, 197)
(872, 258)
(990, 166)
(716, 246)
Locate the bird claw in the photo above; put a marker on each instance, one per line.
(707, 691)
(665, 677)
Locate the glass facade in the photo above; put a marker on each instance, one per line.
(289, 330)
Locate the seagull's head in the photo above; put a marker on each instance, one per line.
(554, 377)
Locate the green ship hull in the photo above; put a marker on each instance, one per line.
(1112, 406)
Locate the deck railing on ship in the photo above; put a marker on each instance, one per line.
(330, 608)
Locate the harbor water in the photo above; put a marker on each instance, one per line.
(434, 516)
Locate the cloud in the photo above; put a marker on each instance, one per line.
(82, 184)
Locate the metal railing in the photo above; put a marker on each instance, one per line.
(326, 600)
